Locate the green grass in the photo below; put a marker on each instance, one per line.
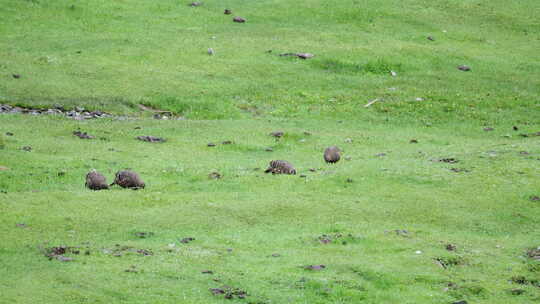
(485, 212)
(114, 55)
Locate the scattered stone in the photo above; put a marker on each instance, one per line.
(145, 252)
(96, 181)
(207, 272)
(380, 154)
(449, 160)
(151, 139)
(26, 148)
(78, 115)
(413, 141)
(464, 68)
(229, 292)
(276, 255)
(305, 55)
(280, 167)
(315, 267)
(488, 129)
(277, 134)
(144, 235)
(128, 179)
(132, 268)
(534, 253)
(517, 291)
(534, 198)
(187, 240)
(83, 135)
(211, 144)
(239, 19)
(348, 158)
(210, 51)
(430, 38)
(195, 4)
(348, 140)
(58, 253)
(523, 153)
(227, 11)
(214, 175)
(451, 247)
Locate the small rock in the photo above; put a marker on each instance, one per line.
(207, 272)
(460, 302)
(419, 99)
(464, 68)
(348, 140)
(16, 76)
(413, 141)
(312, 169)
(517, 291)
(27, 148)
(239, 19)
(187, 240)
(303, 175)
(315, 267)
(214, 175)
(488, 129)
(194, 4)
(276, 255)
(277, 134)
(83, 135)
(430, 38)
(305, 55)
(268, 149)
(227, 142)
(348, 158)
(227, 11)
(210, 51)
(534, 198)
(151, 139)
(515, 128)
(451, 247)
(394, 74)
(349, 180)
(418, 252)
(211, 144)
(380, 154)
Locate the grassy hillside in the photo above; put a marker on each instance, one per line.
(115, 54)
(436, 198)
(242, 219)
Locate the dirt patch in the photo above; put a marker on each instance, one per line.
(446, 262)
(449, 160)
(59, 253)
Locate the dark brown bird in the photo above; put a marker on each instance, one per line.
(332, 154)
(280, 167)
(128, 179)
(96, 181)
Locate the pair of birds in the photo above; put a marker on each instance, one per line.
(331, 155)
(124, 179)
